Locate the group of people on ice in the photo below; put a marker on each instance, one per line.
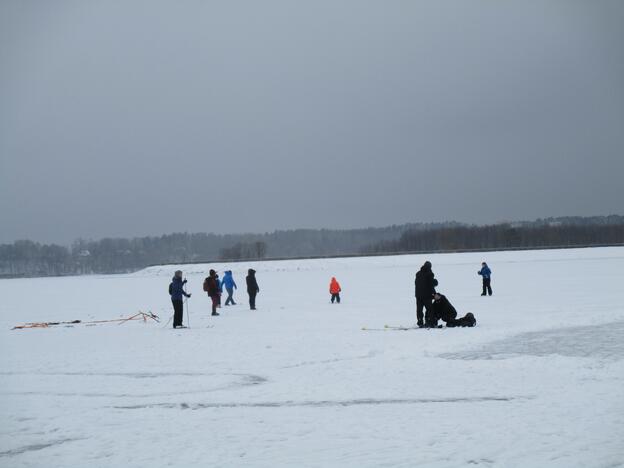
(214, 287)
(435, 305)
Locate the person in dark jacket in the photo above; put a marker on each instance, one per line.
(425, 288)
(177, 292)
(444, 310)
(486, 274)
(211, 286)
(252, 288)
(220, 284)
(230, 285)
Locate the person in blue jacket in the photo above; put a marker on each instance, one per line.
(230, 285)
(177, 292)
(486, 274)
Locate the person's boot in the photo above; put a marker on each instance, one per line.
(419, 324)
(215, 313)
(470, 320)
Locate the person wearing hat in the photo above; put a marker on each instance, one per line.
(444, 310)
(230, 286)
(334, 290)
(177, 292)
(252, 288)
(486, 274)
(211, 286)
(425, 284)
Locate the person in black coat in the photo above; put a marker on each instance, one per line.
(444, 310)
(425, 288)
(252, 288)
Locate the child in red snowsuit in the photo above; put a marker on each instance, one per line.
(334, 290)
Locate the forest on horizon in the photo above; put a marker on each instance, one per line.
(122, 255)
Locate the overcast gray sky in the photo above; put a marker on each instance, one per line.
(124, 118)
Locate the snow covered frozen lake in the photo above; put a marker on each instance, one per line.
(539, 382)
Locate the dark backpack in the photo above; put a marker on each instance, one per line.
(468, 320)
(171, 288)
(206, 285)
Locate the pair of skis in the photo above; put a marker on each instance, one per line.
(399, 328)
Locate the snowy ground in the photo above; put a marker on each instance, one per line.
(539, 382)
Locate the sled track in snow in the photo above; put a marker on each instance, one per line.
(370, 354)
(34, 447)
(321, 403)
(236, 380)
(604, 342)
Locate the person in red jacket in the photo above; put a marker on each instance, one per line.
(334, 290)
(211, 286)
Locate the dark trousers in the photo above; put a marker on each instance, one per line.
(335, 297)
(467, 320)
(486, 286)
(428, 306)
(178, 308)
(215, 302)
(230, 299)
(252, 300)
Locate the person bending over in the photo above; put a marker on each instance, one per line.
(445, 311)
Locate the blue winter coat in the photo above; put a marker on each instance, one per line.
(177, 289)
(228, 281)
(485, 272)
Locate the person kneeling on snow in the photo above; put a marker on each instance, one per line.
(445, 311)
(334, 290)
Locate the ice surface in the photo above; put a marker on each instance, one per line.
(538, 382)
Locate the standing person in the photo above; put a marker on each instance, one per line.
(177, 292)
(211, 286)
(334, 290)
(425, 284)
(486, 274)
(252, 288)
(230, 286)
(220, 285)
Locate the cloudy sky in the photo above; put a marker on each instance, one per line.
(127, 118)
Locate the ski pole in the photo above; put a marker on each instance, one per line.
(188, 314)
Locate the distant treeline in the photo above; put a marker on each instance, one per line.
(27, 258)
(503, 236)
